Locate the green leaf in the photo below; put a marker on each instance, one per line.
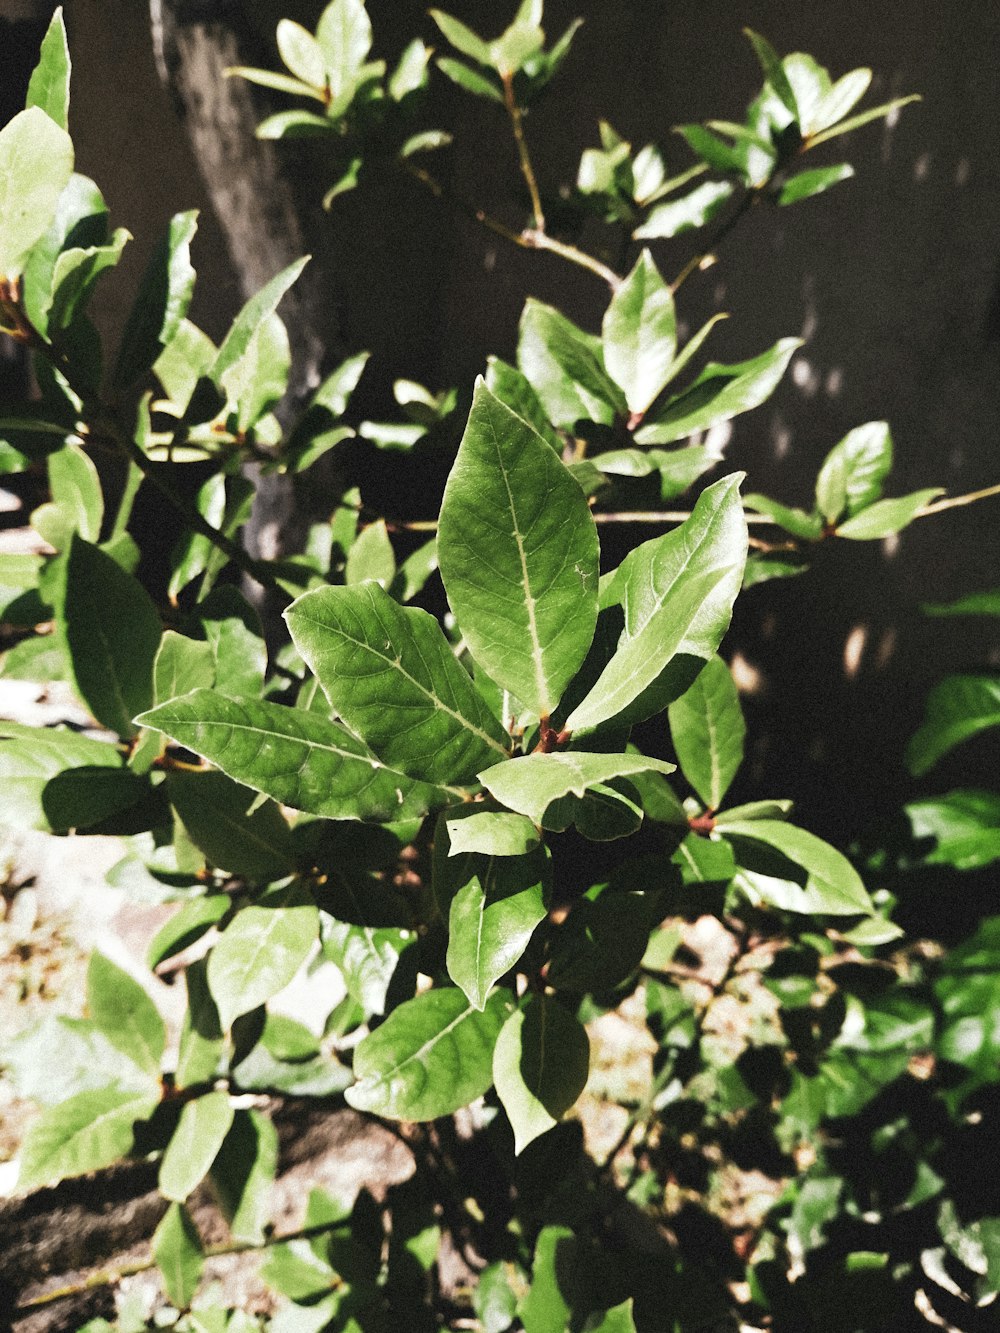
(367, 956)
(985, 603)
(513, 389)
(555, 1282)
(161, 304)
(565, 366)
(540, 1066)
(237, 341)
(885, 517)
(832, 886)
(964, 824)
(533, 782)
(125, 1014)
(853, 471)
(371, 557)
(73, 278)
(297, 1271)
(77, 501)
(190, 921)
(604, 938)
(410, 76)
(233, 628)
(88, 1131)
(510, 53)
(261, 950)
(32, 757)
(227, 823)
(282, 83)
(618, 1319)
(431, 1056)
(492, 833)
(677, 592)
(58, 1057)
(462, 38)
(389, 672)
(194, 1145)
(810, 83)
(201, 1041)
(48, 88)
(181, 665)
(639, 334)
(863, 118)
(78, 798)
(959, 708)
(494, 1300)
(301, 53)
(796, 521)
(243, 1174)
(179, 1255)
(695, 209)
(773, 69)
(36, 163)
(718, 394)
(298, 758)
(807, 184)
(708, 732)
(518, 554)
(344, 33)
(493, 905)
(111, 630)
(480, 85)
(840, 99)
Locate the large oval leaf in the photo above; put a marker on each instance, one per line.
(540, 1066)
(390, 673)
(518, 551)
(301, 759)
(431, 1056)
(829, 886)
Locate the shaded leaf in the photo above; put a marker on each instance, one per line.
(179, 1255)
(964, 824)
(190, 921)
(832, 886)
(540, 1066)
(243, 1174)
(226, 823)
(530, 784)
(162, 301)
(565, 366)
(957, 709)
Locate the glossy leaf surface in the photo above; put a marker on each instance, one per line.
(430, 1057)
(639, 334)
(518, 553)
(533, 782)
(389, 672)
(885, 517)
(832, 887)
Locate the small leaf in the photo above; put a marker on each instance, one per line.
(677, 592)
(410, 76)
(604, 938)
(248, 321)
(840, 99)
(495, 905)
(556, 1282)
(511, 512)
(261, 950)
(179, 1255)
(480, 85)
(201, 1041)
(796, 521)
(389, 672)
(565, 366)
(975, 604)
(188, 924)
(233, 628)
(832, 886)
(195, 1143)
(513, 389)
(282, 83)
(371, 557)
(718, 394)
(462, 38)
(88, 1131)
(885, 517)
(344, 33)
(431, 1056)
(964, 824)
(695, 209)
(619, 1319)
(301, 53)
(111, 630)
(853, 471)
(368, 957)
(492, 833)
(530, 784)
(162, 302)
(73, 278)
(298, 758)
(863, 118)
(77, 501)
(639, 334)
(540, 1066)
(125, 1014)
(181, 665)
(773, 69)
(807, 184)
(708, 732)
(959, 708)
(243, 1174)
(36, 163)
(48, 87)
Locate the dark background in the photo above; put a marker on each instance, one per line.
(892, 279)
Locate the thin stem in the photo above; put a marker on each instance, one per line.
(527, 170)
(706, 256)
(530, 239)
(954, 501)
(110, 1276)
